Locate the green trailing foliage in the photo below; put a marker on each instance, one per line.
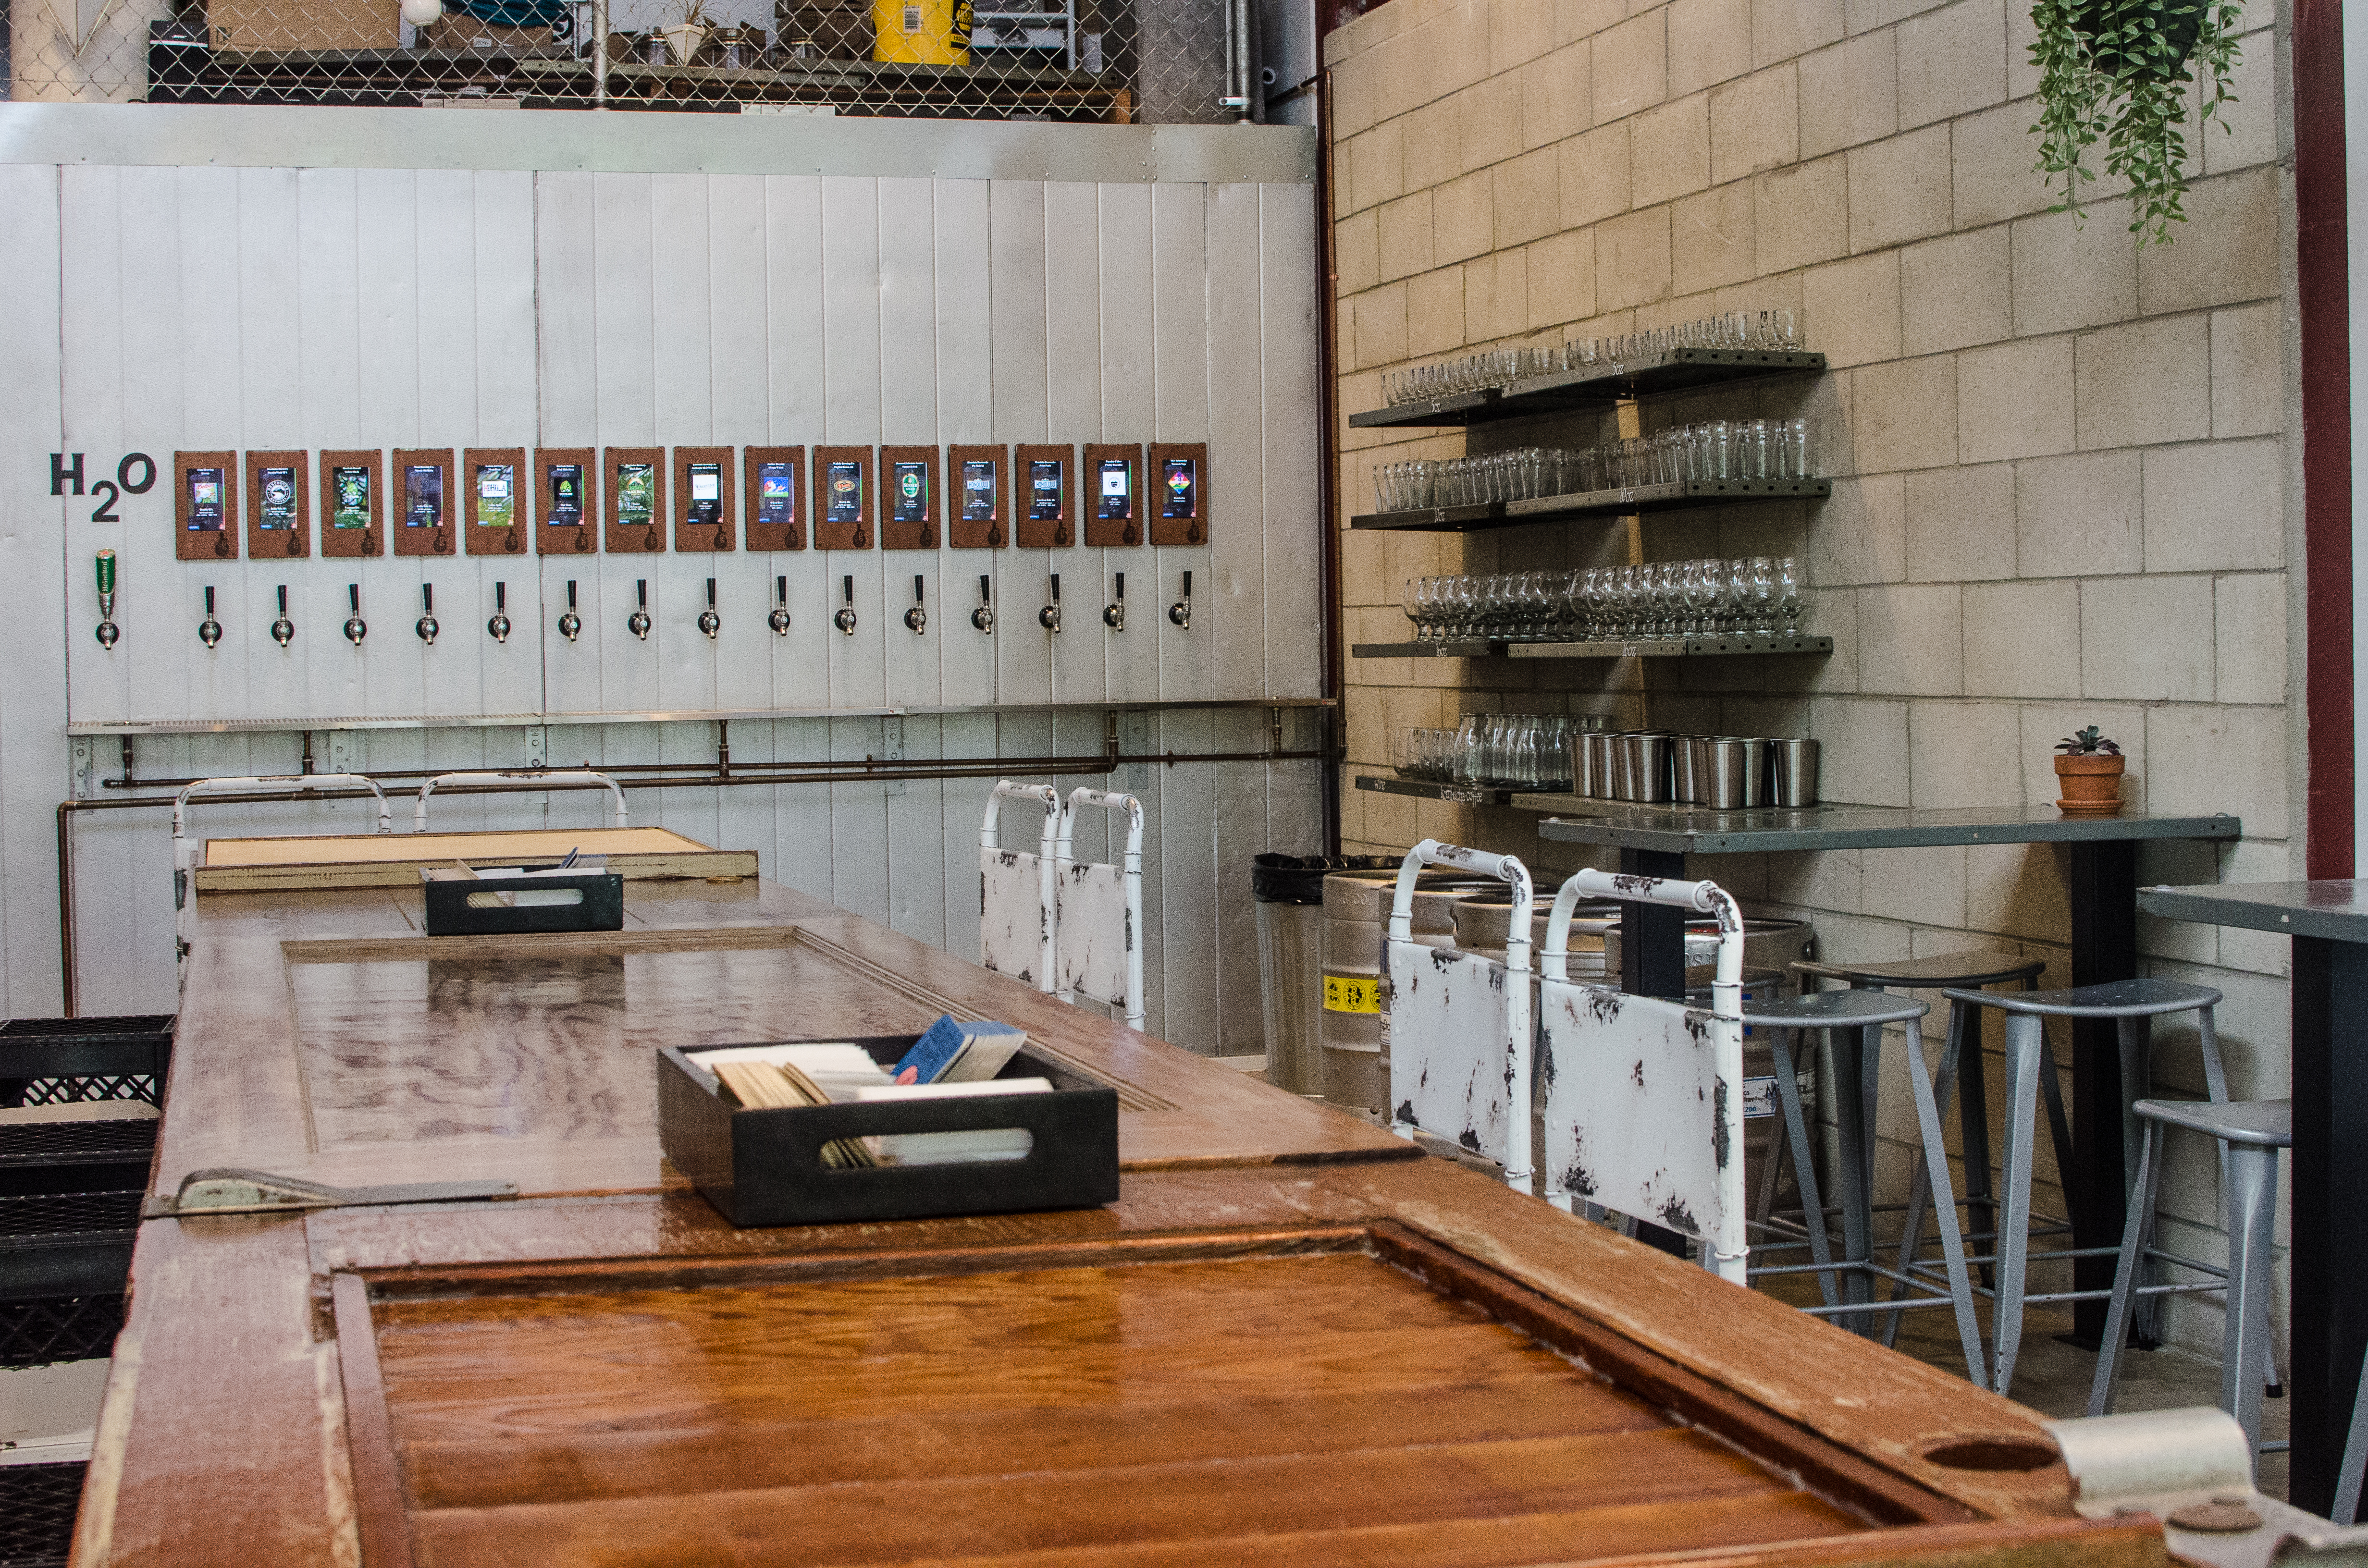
(2120, 72)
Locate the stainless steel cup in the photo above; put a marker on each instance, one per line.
(1602, 756)
(1682, 787)
(1723, 785)
(1649, 765)
(1794, 765)
(1756, 751)
(1624, 768)
(1698, 745)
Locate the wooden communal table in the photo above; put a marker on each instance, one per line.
(1291, 1341)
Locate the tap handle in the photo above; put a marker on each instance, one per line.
(501, 595)
(847, 588)
(983, 596)
(428, 598)
(711, 593)
(353, 598)
(781, 590)
(106, 571)
(571, 593)
(1056, 588)
(209, 601)
(1187, 585)
(642, 593)
(917, 587)
(1121, 584)
(283, 601)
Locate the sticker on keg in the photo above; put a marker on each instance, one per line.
(1352, 994)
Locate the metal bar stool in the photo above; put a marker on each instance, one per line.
(1848, 1019)
(2250, 1133)
(2130, 1004)
(1960, 1071)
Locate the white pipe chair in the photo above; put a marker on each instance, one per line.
(1644, 1097)
(1016, 902)
(523, 777)
(186, 849)
(1457, 1026)
(1098, 910)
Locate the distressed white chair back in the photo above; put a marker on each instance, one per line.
(1644, 1097)
(1015, 890)
(1098, 929)
(187, 847)
(1457, 1026)
(527, 778)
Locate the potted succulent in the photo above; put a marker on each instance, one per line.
(2120, 72)
(2088, 771)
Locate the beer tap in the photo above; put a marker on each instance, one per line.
(355, 627)
(918, 618)
(983, 616)
(1049, 617)
(283, 631)
(1180, 612)
(570, 623)
(709, 622)
(500, 626)
(209, 630)
(779, 619)
(638, 623)
(426, 625)
(1114, 612)
(107, 633)
(845, 619)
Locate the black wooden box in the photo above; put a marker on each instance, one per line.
(450, 913)
(764, 1166)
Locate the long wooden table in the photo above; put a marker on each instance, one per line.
(1293, 1339)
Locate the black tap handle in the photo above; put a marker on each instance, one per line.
(1121, 584)
(283, 601)
(847, 586)
(983, 596)
(428, 598)
(711, 593)
(571, 593)
(781, 590)
(642, 593)
(353, 596)
(501, 595)
(210, 602)
(917, 587)
(1187, 585)
(1056, 588)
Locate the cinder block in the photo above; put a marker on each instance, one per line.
(1594, 176)
(2226, 252)
(2070, 274)
(1965, 754)
(1711, 238)
(1862, 533)
(1669, 150)
(2248, 370)
(1926, 885)
(2022, 640)
(2245, 131)
(1806, 219)
(2206, 759)
(1557, 95)
(1561, 275)
(1911, 641)
(1849, 310)
(1785, 30)
(1496, 296)
(1862, 748)
(1378, 325)
(1631, 67)
(1709, 41)
(1956, 292)
(1517, 35)
(1755, 123)
(1960, 524)
(1404, 234)
(2216, 506)
(1435, 322)
(1951, 61)
(1991, 158)
(2248, 622)
(2145, 639)
(1906, 413)
(2014, 400)
(1432, 150)
(2077, 516)
(1463, 219)
(1632, 259)
(2143, 383)
(1528, 199)
(1356, 252)
(1849, 93)
(1899, 190)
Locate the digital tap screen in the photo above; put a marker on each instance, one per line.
(1180, 488)
(843, 485)
(566, 495)
(1117, 499)
(497, 495)
(279, 497)
(637, 490)
(423, 497)
(1044, 492)
(978, 491)
(205, 500)
(911, 482)
(350, 503)
(706, 493)
(777, 493)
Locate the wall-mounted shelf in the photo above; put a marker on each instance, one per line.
(1596, 503)
(1664, 648)
(1596, 386)
(1431, 790)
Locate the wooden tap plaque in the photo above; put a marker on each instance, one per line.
(978, 503)
(704, 519)
(909, 504)
(205, 505)
(1045, 496)
(777, 497)
(633, 495)
(1177, 480)
(567, 487)
(495, 480)
(353, 508)
(279, 507)
(1113, 516)
(422, 506)
(842, 493)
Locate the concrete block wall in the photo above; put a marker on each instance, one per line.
(2064, 491)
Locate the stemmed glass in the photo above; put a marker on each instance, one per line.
(1789, 601)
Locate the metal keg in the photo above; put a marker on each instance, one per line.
(1356, 992)
(1763, 1122)
(1767, 944)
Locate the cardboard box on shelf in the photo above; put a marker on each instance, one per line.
(291, 27)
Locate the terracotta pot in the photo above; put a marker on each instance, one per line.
(2092, 784)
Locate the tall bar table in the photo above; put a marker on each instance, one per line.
(1653, 841)
(2329, 923)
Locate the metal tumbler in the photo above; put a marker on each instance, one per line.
(1733, 783)
(1602, 770)
(1794, 765)
(1649, 765)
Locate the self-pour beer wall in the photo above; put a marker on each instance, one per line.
(327, 308)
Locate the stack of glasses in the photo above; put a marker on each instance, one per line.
(1713, 450)
(1724, 773)
(1513, 751)
(1662, 600)
(1772, 329)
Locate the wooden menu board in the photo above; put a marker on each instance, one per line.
(842, 516)
(357, 492)
(1045, 519)
(279, 507)
(554, 536)
(703, 524)
(1110, 519)
(421, 506)
(496, 523)
(205, 505)
(634, 499)
(1177, 479)
(775, 488)
(910, 506)
(966, 528)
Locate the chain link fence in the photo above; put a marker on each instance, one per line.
(1123, 62)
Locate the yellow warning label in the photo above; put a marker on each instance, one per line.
(1351, 994)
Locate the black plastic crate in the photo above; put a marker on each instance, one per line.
(38, 1503)
(600, 904)
(58, 1328)
(67, 1244)
(64, 1061)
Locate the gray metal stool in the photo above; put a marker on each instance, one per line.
(2130, 1004)
(1848, 1018)
(1960, 1071)
(2250, 1133)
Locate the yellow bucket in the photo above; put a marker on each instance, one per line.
(921, 32)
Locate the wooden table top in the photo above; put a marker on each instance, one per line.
(1285, 1344)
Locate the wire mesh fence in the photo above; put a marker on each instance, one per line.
(1162, 61)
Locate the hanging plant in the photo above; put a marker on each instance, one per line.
(2118, 72)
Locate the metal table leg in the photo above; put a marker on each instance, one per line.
(2330, 1206)
(2103, 885)
(1854, 1063)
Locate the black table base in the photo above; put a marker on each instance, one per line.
(2330, 1208)
(2103, 878)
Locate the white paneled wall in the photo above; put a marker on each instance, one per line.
(250, 308)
